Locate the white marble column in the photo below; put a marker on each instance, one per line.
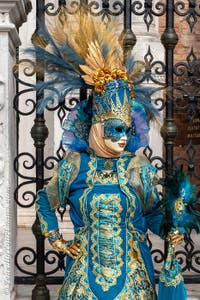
(12, 14)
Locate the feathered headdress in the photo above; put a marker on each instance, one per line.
(90, 56)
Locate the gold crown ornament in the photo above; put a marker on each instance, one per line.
(110, 108)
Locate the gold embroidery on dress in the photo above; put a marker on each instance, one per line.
(138, 284)
(72, 160)
(77, 279)
(134, 171)
(134, 249)
(123, 180)
(108, 164)
(103, 177)
(106, 241)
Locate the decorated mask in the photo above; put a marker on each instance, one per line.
(118, 146)
(115, 129)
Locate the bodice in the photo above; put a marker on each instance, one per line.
(102, 215)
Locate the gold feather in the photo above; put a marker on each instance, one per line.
(39, 41)
(57, 26)
(88, 38)
(88, 79)
(87, 70)
(83, 32)
(94, 57)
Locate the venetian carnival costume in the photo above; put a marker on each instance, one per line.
(112, 195)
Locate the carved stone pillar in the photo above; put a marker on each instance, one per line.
(12, 14)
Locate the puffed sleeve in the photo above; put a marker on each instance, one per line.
(46, 214)
(143, 178)
(56, 193)
(151, 200)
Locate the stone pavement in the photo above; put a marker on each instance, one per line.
(26, 239)
(24, 292)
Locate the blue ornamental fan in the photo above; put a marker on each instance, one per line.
(180, 215)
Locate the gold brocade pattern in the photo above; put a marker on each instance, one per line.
(106, 241)
(64, 174)
(135, 173)
(138, 285)
(76, 285)
(177, 279)
(108, 164)
(117, 110)
(105, 178)
(123, 181)
(134, 249)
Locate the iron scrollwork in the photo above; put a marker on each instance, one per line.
(189, 258)
(140, 8)
(56, 260)
(192, 12)
(105, 9)
(187, 85)
(28, 68)
(28, 259)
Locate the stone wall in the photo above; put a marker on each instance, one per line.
(12, 14)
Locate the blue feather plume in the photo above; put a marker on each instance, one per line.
(61, 66)
(180, 205)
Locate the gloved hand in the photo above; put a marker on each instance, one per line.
(61, 246)
(174, 238)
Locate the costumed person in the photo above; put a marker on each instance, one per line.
(110, 190)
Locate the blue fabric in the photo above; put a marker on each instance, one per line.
(171, 283)
(173, 293)
(46, 215)
(154, 218)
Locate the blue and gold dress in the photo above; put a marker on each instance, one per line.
(112, 204)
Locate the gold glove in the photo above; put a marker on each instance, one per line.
(60, 246)
(174, 238)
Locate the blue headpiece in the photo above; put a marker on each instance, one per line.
(115, 103)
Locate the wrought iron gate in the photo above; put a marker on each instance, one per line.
(182, 102)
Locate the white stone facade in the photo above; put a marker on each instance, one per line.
(12, 14)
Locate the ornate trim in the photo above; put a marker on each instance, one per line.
(106, 244)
